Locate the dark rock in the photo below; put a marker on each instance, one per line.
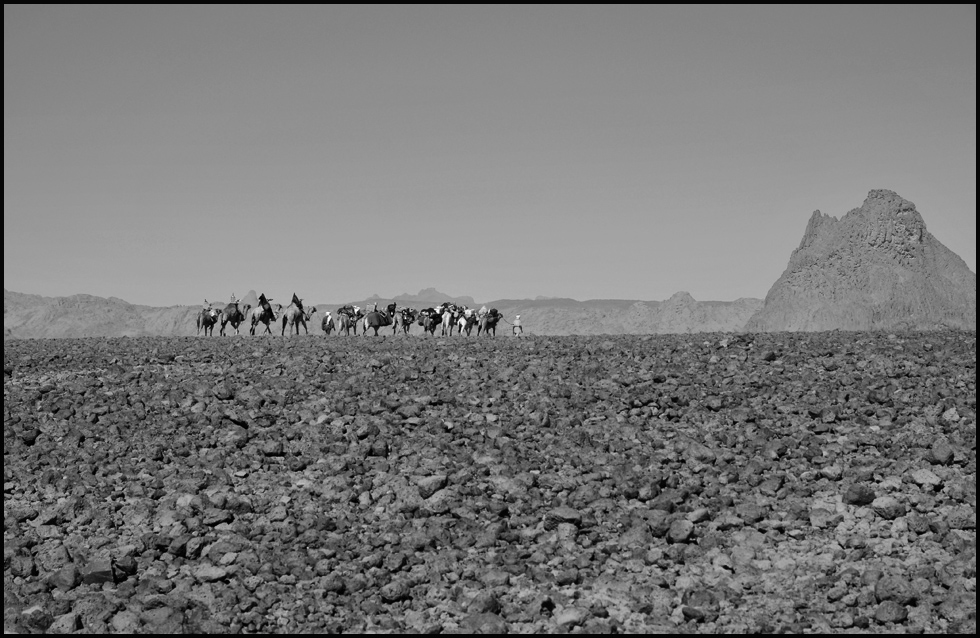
(429, 485)
(891, 612)
(484, 603)
(888, 507)
(98, 572)
(859, 494)
(562, 515)
(895, 588)
(680, 531)
(941, 453)
(66, 578)
(485, 624)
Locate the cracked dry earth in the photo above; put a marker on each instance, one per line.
(701, 483)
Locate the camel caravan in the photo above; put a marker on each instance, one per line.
(447, 318)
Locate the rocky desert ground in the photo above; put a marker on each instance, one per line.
(821, 482)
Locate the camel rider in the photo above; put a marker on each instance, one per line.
(266, 306)
(234, 300)
(518, 329)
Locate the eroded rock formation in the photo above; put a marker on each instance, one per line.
(876, 268)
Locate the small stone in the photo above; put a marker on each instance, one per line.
(567, 577)
(926, 479)
(941, 453)
(484, 603)
(891, 612)
(65, 579)
(895, 588)
(831, 472)
(751, 513)
(273, 448)
(125, 622)
(495, 578)
(571, 617)
(97, 572)
(680, 531)
(214, 516)
(162, 620)
(859, 494)
(65, 624)
(223, 393)
(560, 515)
(210, 573)
(485, 624)
(951, 416)
(395, 591)
(36, 618)
(888, 507)
(429, 485)
(699, 515)
(821, 518)
(962, 518)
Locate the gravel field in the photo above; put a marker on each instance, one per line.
(821, 482)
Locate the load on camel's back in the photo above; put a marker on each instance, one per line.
(377, 319)
(488, 322)
(347, 318)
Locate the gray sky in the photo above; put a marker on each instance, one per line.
(163, 155)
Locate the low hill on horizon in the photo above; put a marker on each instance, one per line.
(32, 316)
(876, 268)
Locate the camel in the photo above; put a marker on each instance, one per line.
(295, 316)
(488, 322)
(376, 319)
(235, 316)
(450, 315)
(430, 319)
(264, 313)
(206, 320)
(347, 319)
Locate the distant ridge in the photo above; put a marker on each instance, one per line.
(32, 316)
(434, 296)
(877, 268)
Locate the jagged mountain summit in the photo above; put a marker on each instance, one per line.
(876, 268)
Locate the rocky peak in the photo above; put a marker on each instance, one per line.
(892, 224)
(875, 268)
(681, 298)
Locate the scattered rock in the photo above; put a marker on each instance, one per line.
(594, 491)
(859, 494)
(888, 507)
(891, 612)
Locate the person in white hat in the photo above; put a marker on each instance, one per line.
(518, 329)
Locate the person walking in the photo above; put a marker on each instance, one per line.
(518, 328)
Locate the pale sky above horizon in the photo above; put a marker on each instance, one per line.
(167, 154)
